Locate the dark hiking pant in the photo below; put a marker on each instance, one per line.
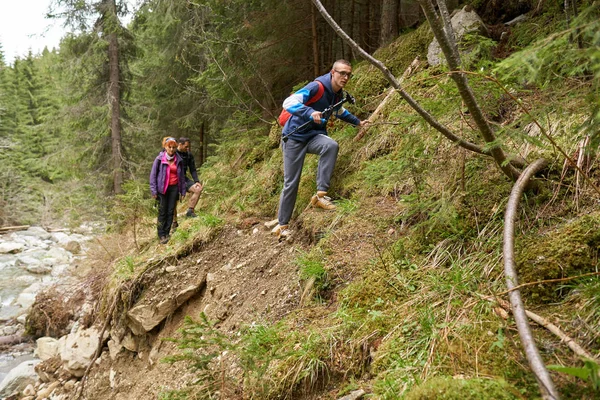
(166, 209)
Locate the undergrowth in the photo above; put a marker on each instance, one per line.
(418, 319)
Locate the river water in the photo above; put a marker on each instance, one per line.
(31, 260)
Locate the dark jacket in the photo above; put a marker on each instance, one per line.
(301, 113)
(189, 163)
(159, 175)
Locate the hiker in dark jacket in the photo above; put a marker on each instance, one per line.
(193, 185)
(313, 139)
(167, 183)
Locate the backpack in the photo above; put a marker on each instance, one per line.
(284, 116)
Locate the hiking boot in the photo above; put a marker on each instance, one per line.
(174, 226)
(320, 200)
(190, 213)
(164, 239)
(282, 232)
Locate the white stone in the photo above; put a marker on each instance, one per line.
(29, 390)
(58, 255)
(47, 347)
(25, 300)
(112, 375)
(36, 231)
(77, 349)
(11, 247)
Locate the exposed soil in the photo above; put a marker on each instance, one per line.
(250, 277)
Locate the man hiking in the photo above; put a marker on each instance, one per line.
(307, 105)
(192, 185)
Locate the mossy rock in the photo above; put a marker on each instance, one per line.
(447, 388)
(569, 250)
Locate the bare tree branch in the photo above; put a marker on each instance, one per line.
(396, 85)
(448, 46)
(533, 356)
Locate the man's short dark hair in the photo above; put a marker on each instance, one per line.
(342, 61)
(184, 140)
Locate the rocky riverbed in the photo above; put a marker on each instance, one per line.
(30, 261)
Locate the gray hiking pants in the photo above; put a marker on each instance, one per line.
(294, 153)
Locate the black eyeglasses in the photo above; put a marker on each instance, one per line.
(344, 73)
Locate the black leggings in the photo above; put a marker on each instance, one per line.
(166, 209)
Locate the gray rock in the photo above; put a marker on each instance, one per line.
(9, 312)
(18, 378)
(462, 22)
(36, 231)
(11, 247)
(26, 300)
(144, 317)
(25, 260)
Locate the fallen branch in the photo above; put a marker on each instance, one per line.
(570, 278)
(13, 228)
(390, 93)
(12, 339)
(536, 363)
(570, 342)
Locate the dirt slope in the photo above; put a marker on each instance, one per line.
(250, 276)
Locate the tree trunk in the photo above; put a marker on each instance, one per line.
(389, 21)
(114, 97)
(315, 40)
(201, 143)
(363, 24)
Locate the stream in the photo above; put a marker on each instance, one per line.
(31, 260)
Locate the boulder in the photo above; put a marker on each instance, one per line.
(36, 231)
(144, 317)
(57, 255)
(11, 247)
(47, 348)
(77, 349)
(26, 300)
(18, 378)
(463, 22)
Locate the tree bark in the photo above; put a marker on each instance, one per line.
(114, 95)
(518, 309)
(389, 21)
(315, 40)
(201, 143)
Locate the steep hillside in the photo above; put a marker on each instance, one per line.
(399, 292)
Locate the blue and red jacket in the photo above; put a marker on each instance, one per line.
(301, 113)
(160, 173)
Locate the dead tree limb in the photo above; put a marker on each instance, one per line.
(396, 85)
(536, 363)
(442, 30)
(390, 93)
(14, 228)
(570, 342)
